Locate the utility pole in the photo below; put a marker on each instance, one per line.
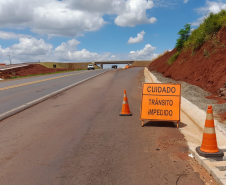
(9, 58)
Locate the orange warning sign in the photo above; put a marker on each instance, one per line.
(161, 102)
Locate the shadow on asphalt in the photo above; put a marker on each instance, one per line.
(164, 124)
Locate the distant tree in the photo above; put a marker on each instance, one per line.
(184, 35)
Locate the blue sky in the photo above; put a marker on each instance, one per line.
(95, 30)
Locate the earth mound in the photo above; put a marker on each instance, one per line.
(140, 64)
(32, 69)
(205, 68)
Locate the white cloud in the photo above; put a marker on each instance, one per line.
(27, 50)
(135, 13)
(137, 39)
(29, 46)
(11, 35)
(78, 56)
(71, 46)
(68, 52)
(65, 22)
(48, 17)
(215, 9)
(143, 54)
(71, 18)
(56, 20)
(15, 13)
(33, 50)
(192, 29)
(155, 55)
(210, 7)
(98, 6)
(198, 21)
(83, 54)
(185, 1)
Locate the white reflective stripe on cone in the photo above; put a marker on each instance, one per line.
(209, 116)
(124, 102)
(124, 95)
(209, 130)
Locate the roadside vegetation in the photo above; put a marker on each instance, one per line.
(206, 31)
(173, 58)
(184, 36)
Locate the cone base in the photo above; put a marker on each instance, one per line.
(130, 114)
(204, 154)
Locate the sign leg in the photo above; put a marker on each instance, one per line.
(142, 123)
(177, 124)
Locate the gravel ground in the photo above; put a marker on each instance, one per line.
(196, 95)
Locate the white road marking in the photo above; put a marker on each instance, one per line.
(32, 103)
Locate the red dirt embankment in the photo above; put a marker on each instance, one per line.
(32, 69)
(205, 68)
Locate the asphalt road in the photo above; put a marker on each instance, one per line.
(78, 137)
(5, 67)
(19, 92)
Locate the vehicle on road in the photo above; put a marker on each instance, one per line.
(114, 66)
(90, 66)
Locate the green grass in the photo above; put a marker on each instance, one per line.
(46, 73)
(206, 53)
(206, 31)
(214, 51)
(173, 58)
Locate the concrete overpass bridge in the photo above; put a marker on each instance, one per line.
(101, 63)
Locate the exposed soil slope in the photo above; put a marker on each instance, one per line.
(205, 68)
(32, 69)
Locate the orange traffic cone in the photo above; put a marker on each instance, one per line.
(209, 142)
(125, 106)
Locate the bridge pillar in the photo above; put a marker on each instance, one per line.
(101, 66)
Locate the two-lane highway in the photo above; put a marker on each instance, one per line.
(78, 138)
(17, 94)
